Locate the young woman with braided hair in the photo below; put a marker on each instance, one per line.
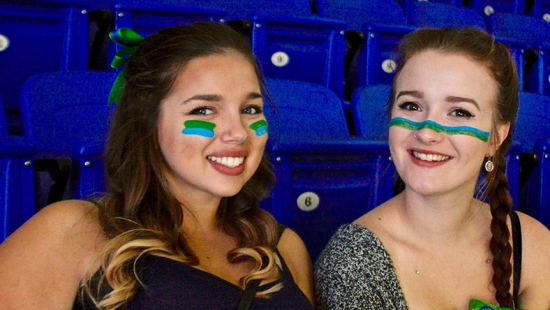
(445, 240)
(180, 226)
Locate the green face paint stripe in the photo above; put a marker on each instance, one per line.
(199, 124)
(199, 128)
(458, 130)
(259, 127)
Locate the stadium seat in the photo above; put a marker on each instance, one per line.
(369, 110)
(373, 31)
(325, 177)
(39, 36)
(16, 181)
(66, 118)
(533, 133)
(522, 33)
(290, 42)
(540, 9)
(498, 6)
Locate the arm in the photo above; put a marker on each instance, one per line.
(44, 262)
(295, 254)
(535, 275)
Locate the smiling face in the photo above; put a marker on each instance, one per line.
(446, 101)
(204, 127)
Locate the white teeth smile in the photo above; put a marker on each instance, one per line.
(230, 162)
(430, 157)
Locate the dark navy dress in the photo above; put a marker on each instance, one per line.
(174, 285)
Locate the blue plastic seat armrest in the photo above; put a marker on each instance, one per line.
(90, 148)
(542, 145)
(180, 8)
(391, 28)
(15, 146)
(300, 20)
(330, 145)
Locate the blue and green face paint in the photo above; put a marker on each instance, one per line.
(457, 130)
(199, 128)
(259, 127)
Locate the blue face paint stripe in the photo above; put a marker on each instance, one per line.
(259, 127)
(199, 128)
(456, 130)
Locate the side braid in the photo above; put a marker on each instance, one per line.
(501, 204)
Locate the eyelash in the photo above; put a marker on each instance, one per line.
(409, 106)
(256, 107)
(200, 110)
(463, 113)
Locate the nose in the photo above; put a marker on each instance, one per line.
(234, 129)
(428, 135)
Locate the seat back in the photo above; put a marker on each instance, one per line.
(324, 177)
(441, 15)
(369, 111)
(39, 36)
(65, 115)
(16, 180)
(148, 16)
(533, 133)
(290, 42)
(498, 6)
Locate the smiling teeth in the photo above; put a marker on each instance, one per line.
(230, 162)
(430, 157)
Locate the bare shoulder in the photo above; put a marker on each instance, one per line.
(44, 261)
(535, 276)
(294, 252)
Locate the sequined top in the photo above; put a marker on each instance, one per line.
(355, 271)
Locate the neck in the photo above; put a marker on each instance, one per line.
(440, 219)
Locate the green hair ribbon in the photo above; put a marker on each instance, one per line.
(129, 40)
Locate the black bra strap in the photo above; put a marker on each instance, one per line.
(252, 286)
(516, 239)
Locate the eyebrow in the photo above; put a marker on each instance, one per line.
(217, 98)
(451, 99)
(454, 99)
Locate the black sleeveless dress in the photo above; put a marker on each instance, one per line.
(173, 285)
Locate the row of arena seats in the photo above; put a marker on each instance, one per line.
(342, 45)
(326, 176)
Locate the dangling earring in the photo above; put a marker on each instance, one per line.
(489, 166)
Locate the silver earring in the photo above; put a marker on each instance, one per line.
(489, 166)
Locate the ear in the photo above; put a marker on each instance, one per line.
(502, 133)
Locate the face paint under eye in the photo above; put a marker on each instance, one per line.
(259, 127)
(458, 130)
(199, 128)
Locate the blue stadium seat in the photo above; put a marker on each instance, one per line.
(498, 6)
(533, 133)
(540, 9)
(369, 110)
(408, 5)
(441, 15)
(66, 118)
(148, 16)
(39, 36)
(523, 33)
(325, 177)
(373, 31)
(16, 181)
(290, 42)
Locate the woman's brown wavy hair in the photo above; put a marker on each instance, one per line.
(495, 57)
(139, 215)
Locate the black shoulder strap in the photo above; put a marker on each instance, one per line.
(252, 286)
(516, 239)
